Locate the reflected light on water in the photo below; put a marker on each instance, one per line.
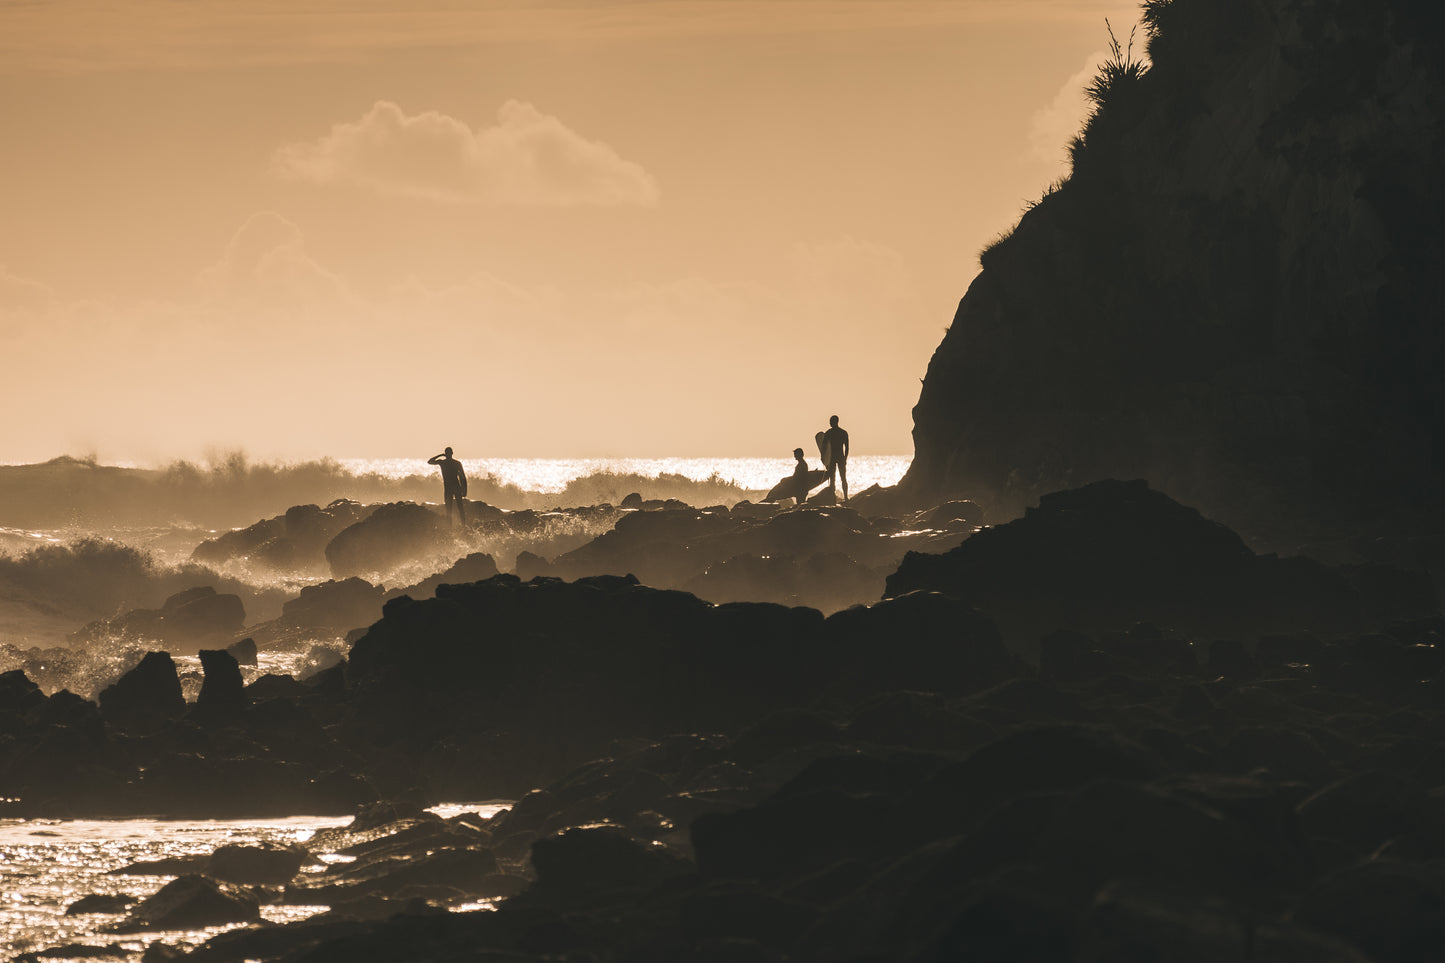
(47, 864)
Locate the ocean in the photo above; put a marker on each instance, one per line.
(553, 474)
(77, 558)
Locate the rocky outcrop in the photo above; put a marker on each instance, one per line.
(146, 696)
(336, 605)
(390, 536)
(1236, 294)
(293, 542)
(184, 622)
(1111, 554)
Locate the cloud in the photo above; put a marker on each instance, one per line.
(528, 158)
(1052, 127)
(266, 262)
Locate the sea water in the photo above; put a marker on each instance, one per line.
(553, 474)
(47, 864)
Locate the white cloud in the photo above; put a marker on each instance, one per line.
(266, 261)
(527, 158)
(1054, 126)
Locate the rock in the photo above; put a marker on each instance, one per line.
(588, 860)
(961, 513)
(473, 568)
(530, 566)
(267, 865)
(100, 903)
(223, 692)
(1113, 554)
(19, 695)
(1392, 911)
(188, 903)
(1215, 378)
(935, 643)
(146, 696)
(200, 615)
(392, 535)
(244, 652)
(336, 605)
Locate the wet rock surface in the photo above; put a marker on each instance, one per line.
(908, 780)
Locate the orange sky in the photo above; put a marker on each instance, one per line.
(516, 227)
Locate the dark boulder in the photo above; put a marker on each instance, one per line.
(244, 652)
(962, 513)
(591, 859)
(336, 605)
(925, 641)
(392, 535)
(268, 865)
(188, 903)
(146, 696)
(1115, 553)
(19, 695)
(473, 568)
(201, 614)
(100, 903)
(223, 691)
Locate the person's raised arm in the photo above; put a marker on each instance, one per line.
(436, 459)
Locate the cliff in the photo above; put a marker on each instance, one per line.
(1236, 293)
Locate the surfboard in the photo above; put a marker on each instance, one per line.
(824, 451)
(795, 487)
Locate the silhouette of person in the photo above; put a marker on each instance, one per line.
(454, 483)
(836, 440)
(800, 473)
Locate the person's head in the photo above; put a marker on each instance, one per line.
(833, 421)
(797, 453)
(448, 452)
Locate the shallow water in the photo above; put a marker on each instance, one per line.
(47, 864)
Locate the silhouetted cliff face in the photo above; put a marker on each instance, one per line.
(1238, 292)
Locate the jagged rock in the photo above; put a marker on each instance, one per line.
(223, 691)
(146, 696)
(19, 695)
(244, 652)
(256, 865)
(1097, 342)
(337, 604)
(188, 903)
(473, 568)
(201, 614)
(1114, 554)
(389, 536)
(100, 903)
(956, 513)
(592, 859)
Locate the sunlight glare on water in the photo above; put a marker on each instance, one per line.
(47, 864)
(553, 474)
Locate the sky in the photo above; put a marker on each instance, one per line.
(521, 228)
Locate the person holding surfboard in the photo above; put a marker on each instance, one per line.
(834, 449)
(454, 483)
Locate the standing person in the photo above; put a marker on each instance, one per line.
(835, 439)
(454, 483)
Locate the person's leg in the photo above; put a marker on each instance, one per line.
(843, 477)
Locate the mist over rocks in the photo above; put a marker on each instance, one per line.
(1234, 294)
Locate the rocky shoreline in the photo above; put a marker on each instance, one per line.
(1106, 730)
